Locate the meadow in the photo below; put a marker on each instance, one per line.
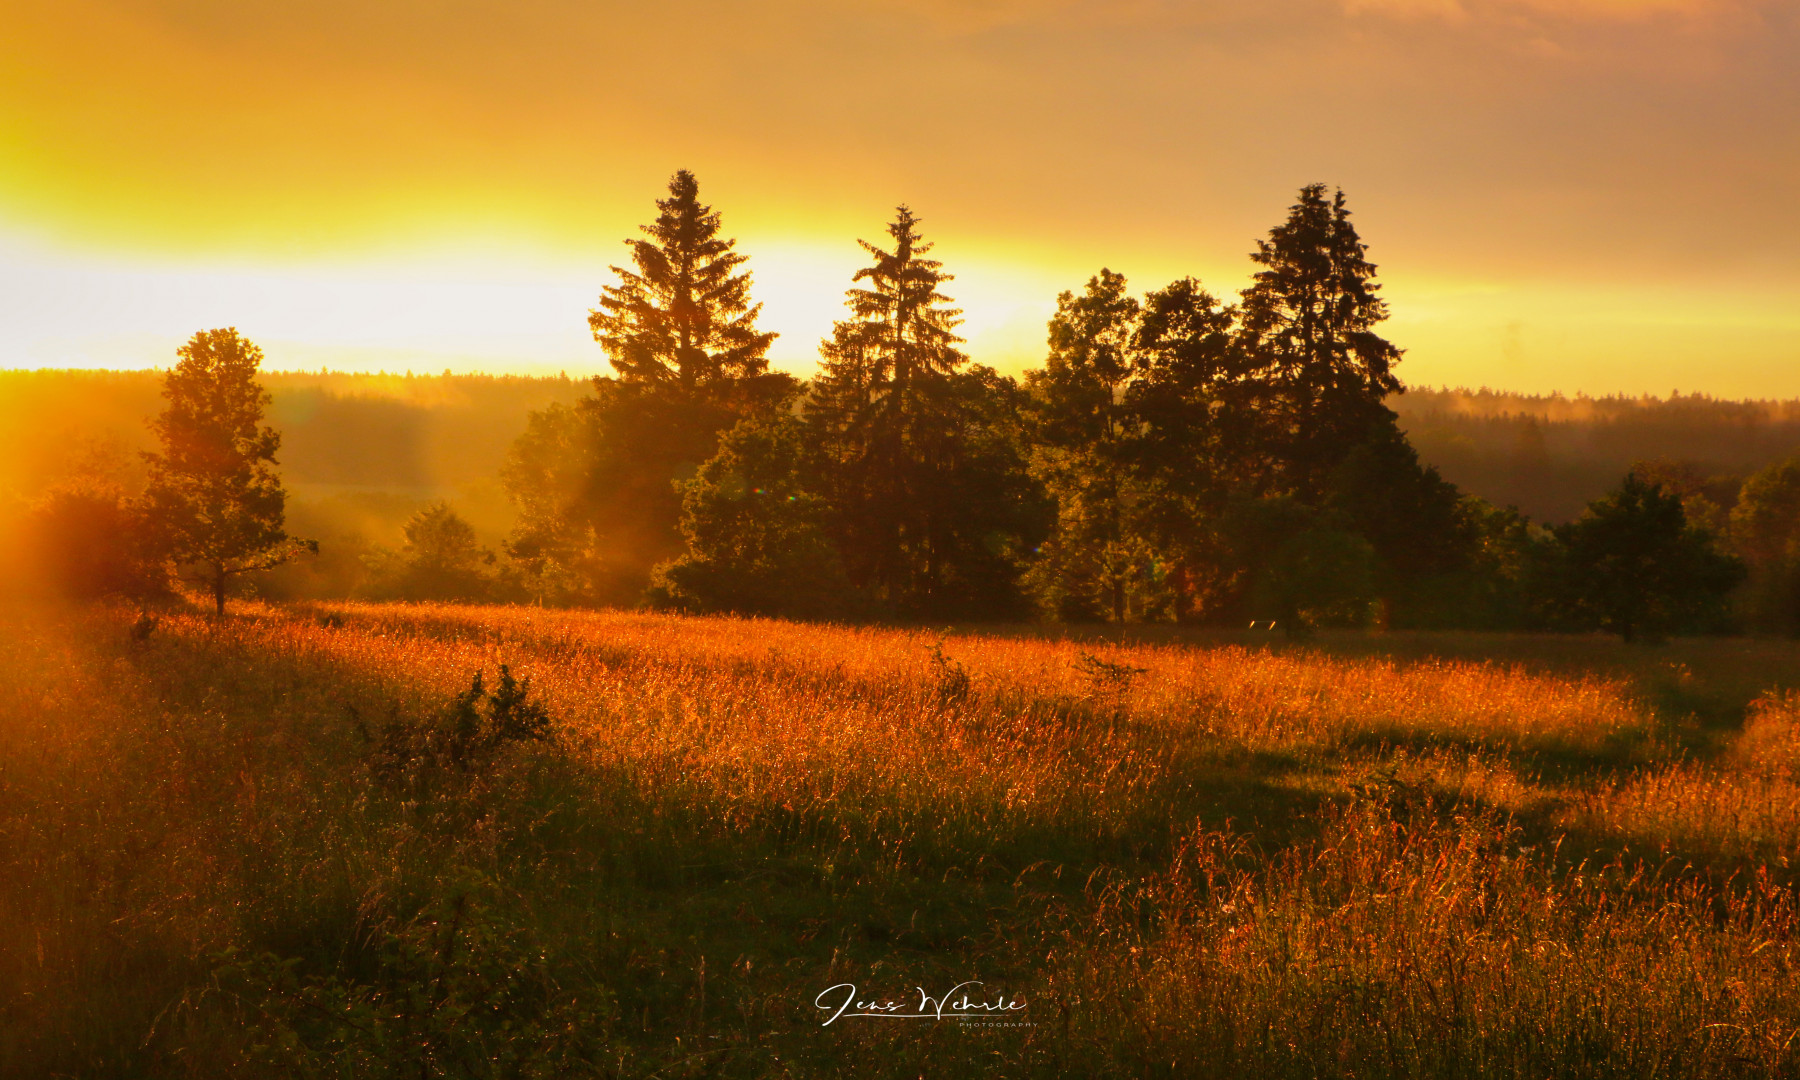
(276, 844)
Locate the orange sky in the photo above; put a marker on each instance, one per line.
(1575, 195)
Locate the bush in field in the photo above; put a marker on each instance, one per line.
(442, 561)
(478, 724)
(1633, 566)
(87, 539)
(756, 537)
(449, 993)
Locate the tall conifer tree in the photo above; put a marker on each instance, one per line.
(882, 364)
(596, 483)
(904, 434)
(1309, 321)
(684, 315)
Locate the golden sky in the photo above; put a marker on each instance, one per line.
(1574, 195)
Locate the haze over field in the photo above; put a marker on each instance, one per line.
(1585, 196)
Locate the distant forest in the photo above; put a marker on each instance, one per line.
(359, 453)
(1551, 456)
(363, 452)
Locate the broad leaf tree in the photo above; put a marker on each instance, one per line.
(1197, 420)
(1634, 566)
(214, 496)
(1765, 530)
(1096, 561)
(757, 541)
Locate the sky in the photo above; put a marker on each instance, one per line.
(1580, 196)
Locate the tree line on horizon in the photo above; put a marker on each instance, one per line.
(1175, 458)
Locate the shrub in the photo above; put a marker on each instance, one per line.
(478, 724)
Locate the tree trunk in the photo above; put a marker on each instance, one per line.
(219, 591)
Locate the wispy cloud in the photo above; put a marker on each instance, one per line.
(1563, 10)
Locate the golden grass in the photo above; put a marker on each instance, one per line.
(1222, 859)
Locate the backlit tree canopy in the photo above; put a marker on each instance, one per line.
(684, 314)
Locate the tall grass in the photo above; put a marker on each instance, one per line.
(1232, 858)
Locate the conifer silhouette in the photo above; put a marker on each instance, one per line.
(1308, 322)
(878, 407)
(684, 315)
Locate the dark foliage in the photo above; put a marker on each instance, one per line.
(451, 991)
(596, 483)
(1175, 458)
(757, 534)
(1765, 531)
(1298, 566)
(918, 452)
(684, 314)
(1321, 373)
(214, 499)
(465, 737)
(1634, 566)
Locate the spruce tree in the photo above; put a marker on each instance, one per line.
(880, 387)
(909, 440)
(684, 315)
(596, 484)
(1308, 321)
(884, 362)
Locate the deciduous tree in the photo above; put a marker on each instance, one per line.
(756, 534)
(1632, 565)
(1096, 562)
(213, 494)
(1765, 530)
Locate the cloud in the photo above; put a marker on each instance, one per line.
(1563, 10)
(1452, 10)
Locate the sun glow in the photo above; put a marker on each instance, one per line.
(518, 311)
(358, 188)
